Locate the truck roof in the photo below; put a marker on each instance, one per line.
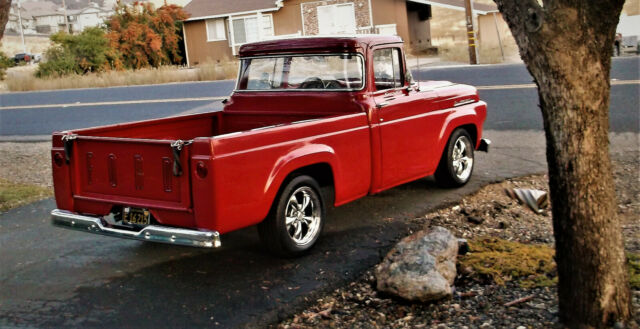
(316, 44)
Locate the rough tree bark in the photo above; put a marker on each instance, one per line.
(567, 47)
(5, 5)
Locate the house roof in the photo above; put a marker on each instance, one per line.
(201, 9)
(39, 8)
(479, 8)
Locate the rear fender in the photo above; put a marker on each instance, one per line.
(299, 158)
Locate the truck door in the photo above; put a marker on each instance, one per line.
(401, 115)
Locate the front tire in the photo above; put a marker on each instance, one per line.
(456, 165)
(296, 221)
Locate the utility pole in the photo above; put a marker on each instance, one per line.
(471, 34)
(24, 47)
(66, 20)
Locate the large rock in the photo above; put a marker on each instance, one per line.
(421, 267)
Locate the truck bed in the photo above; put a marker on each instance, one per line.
(133, 164)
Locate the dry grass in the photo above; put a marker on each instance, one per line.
(502, 260)
(14, 195)
(24, 80)
(459, 52)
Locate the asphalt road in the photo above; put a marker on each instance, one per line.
(41, 113)
(54, 278)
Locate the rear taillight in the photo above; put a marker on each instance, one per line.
(58, 159)
(201, 169)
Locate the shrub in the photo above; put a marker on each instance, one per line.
(143, 36)
(59, 62)
(5, 62)
(86, 52)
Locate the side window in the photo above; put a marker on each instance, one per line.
(387, 68)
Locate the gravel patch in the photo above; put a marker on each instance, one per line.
(489, 212)
(26, 163)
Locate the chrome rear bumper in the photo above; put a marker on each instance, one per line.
(153, 233)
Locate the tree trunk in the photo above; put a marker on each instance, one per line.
(5, 5)
(567, 47)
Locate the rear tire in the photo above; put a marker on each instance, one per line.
(296, 220)
(456, 165)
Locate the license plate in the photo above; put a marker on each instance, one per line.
(136, 216)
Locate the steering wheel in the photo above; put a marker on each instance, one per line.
(312, 83)
(333, 84)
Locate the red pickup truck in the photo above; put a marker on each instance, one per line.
(312, 122)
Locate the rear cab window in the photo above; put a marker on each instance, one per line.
(336, 72)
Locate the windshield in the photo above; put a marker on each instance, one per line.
(318, 72)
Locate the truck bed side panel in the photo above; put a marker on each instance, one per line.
(249, 168)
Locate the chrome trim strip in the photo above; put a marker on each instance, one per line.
(463, 102)
(152, 233)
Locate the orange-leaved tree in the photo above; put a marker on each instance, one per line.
(142, 36)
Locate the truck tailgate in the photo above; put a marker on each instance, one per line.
(136, 172)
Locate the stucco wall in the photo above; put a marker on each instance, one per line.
(199, 49)
(631, 7)
(391, 12)
(287, 20)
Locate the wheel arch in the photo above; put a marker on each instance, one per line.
(317, 161)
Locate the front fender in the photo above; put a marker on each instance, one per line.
(472, 114)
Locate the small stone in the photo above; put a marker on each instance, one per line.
(618, 325)
(521, 327)
(486, 325)
(475, 220)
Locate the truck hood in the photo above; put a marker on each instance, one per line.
(453, 94)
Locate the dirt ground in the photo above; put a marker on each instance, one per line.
(477, 304)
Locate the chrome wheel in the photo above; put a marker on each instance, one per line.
(462, 158)
(303, 215)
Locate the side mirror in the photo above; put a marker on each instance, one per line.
(413, 85)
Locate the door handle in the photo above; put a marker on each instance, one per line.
(381, 105)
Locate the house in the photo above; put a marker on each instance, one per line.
(89, 16)
(45, 17)
(629, 25)
(216, 29)
(30, 13)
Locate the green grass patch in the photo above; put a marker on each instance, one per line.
(13, 195)
(531, 265)
(498, 261)
(634, 270)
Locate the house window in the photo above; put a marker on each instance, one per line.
(387, 29)
(387, 68)
(337, 19)
(215, 29)
(245, 29)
